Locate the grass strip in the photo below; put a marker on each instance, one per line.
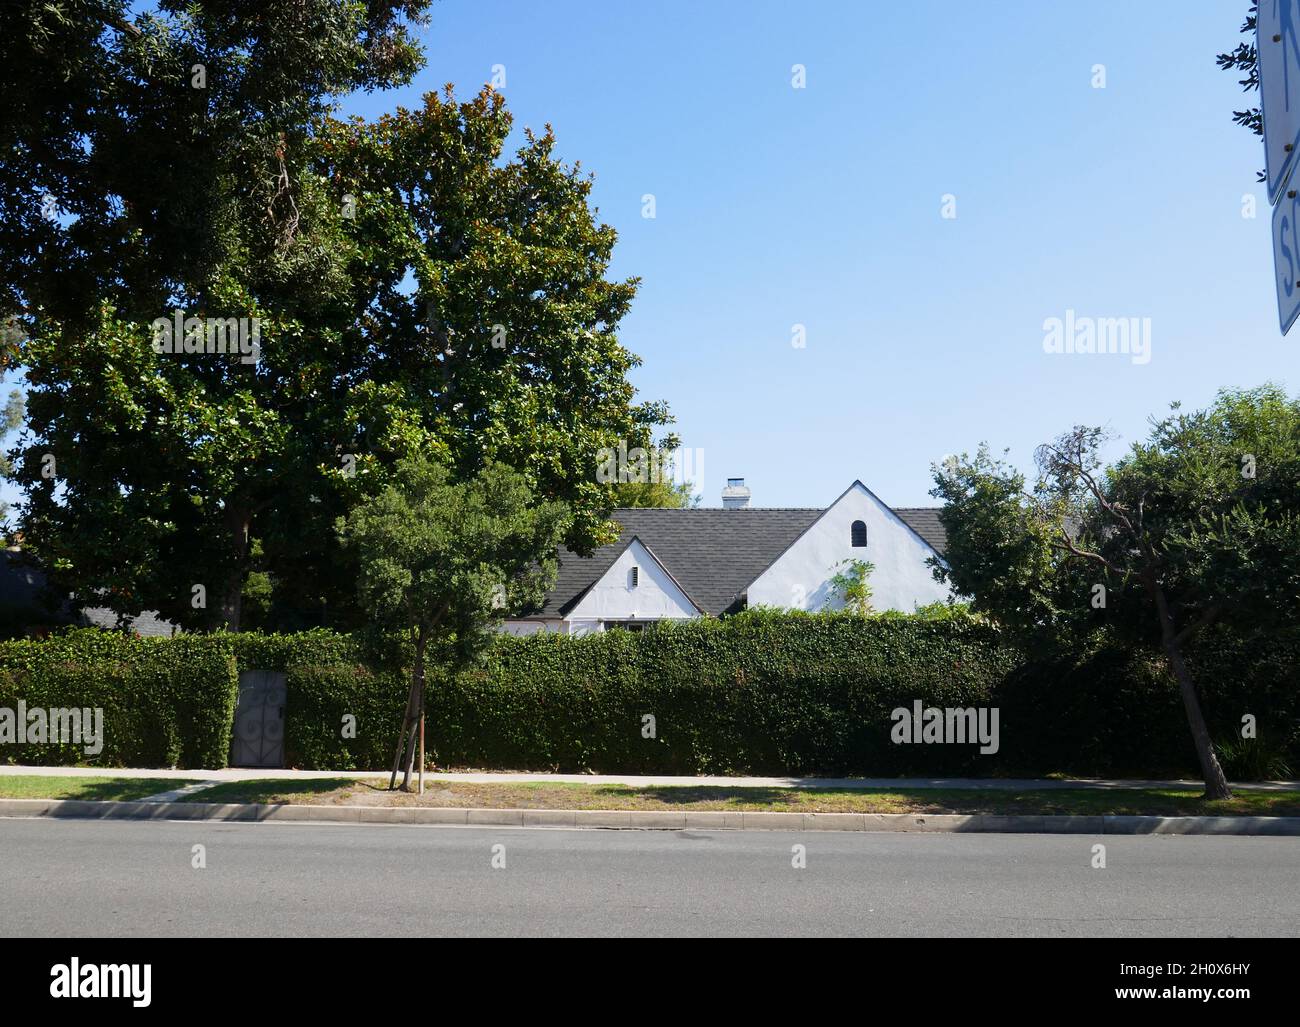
(109, 789)
(1080, 801)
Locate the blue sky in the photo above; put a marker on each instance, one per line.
(822, 207)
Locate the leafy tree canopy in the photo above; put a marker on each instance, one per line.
(1198, 524)
(145, 154)
(414, 291)
(441, 560)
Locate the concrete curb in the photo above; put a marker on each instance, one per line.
(651, 820)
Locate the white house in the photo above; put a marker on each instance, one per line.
(681, 564)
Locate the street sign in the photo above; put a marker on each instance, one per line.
(1277, 44)
(1286, 254)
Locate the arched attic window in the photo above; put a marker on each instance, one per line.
(858, 534)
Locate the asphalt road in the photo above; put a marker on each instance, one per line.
(98, 878)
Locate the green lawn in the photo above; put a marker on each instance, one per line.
(114, 789)
(373, 792)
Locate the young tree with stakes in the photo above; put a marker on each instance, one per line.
(442, 559)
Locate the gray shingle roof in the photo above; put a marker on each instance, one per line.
(149, 624)
(22, 605)
(713, 554)
(924, 520)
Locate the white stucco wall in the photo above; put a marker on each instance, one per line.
(656, 597)
(901, 580)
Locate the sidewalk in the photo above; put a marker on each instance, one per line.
(645, 781)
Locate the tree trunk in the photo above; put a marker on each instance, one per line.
(1216, 785)
(410, 755)
(238, 518)
(415, 707)
(401, 745)
(413, 722)
(407, 732)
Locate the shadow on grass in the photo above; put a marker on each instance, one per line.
(91, 789)
(690, 795)
(965, 802)
(270, 791)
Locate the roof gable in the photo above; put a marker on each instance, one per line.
(857, 484)
(924, 516)
(711, 554)
(658, 594)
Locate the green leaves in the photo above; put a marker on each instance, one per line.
(998, 553)
(506, 350)
(420, 293)
(167, 702)
(1214, 496)
(444, 559)
(852, 586)
(1205, 509)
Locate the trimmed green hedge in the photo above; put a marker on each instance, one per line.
(761, 693)
(166, 702)
(319, 700)
(1120, 714)
(768, 694)
(256, 651)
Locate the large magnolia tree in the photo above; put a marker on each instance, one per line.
(416, 289)
(1198, 524)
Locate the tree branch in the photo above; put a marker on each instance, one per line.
(1085, 554)
(121, 24)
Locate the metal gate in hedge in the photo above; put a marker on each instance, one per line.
(258, 738)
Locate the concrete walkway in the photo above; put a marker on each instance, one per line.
(636, 780)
